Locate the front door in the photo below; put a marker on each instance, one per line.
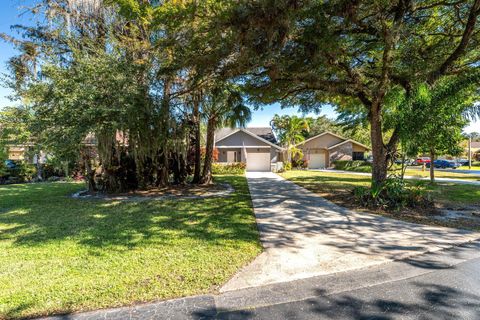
(231, 156)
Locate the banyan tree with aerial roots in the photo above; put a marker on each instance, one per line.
(108, 81)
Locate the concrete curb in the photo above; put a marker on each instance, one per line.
(213, 306)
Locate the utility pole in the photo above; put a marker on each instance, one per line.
(470, 152)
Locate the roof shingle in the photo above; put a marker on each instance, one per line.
(265, 133)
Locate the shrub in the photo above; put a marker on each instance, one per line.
(287, 166)
(229, 168)
(300, 164)
(394, 194)
(3, 169)
(356, 166)
(23, 172)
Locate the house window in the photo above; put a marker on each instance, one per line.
(358, 156)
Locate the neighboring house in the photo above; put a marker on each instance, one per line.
(322, 150)
(475, 147)
(17, 153)
(23, 152)
(257, 147)
(475, 150)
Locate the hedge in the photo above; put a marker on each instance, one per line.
(229, 168)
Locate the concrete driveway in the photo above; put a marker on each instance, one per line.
(304, 235)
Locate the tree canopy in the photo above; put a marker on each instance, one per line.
(143, 76)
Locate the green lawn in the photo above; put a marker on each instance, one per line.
(474, 167)
(334, 183)
(417, 172)
(59, 254)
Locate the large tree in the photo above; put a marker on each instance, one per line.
(365, 53)
(107, 71)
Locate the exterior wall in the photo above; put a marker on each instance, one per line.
(222, 153)
(322, 142)
(343, 152)
(319, 145)
(357, 148)
(16, 153)
(241, 138)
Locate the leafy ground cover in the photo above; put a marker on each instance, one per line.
(59, 254)
(338, 188)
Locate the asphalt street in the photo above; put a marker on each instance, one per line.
(433, 286)
(446, 293)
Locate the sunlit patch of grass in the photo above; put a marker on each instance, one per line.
(331, 182)
(59, 254)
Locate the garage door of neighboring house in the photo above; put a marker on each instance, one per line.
(317, 161)
(258, 161)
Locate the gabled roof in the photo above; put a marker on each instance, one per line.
(264, 135)
(319, 135)
(349, 140)
(335, 135)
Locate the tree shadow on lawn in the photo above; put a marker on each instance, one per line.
(329, 184)
(37, 214)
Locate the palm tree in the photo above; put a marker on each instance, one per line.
(224, 106)
(290, 131)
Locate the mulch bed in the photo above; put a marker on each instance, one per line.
(453, 216)
(172, 192)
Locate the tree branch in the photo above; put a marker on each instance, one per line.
(459, 51)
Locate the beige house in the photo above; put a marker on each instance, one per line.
(17, 153)
(475, 147)
(322, 150)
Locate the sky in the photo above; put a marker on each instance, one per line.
(11, 13)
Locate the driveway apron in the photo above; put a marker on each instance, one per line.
(305, 235)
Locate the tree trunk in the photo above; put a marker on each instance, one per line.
(198, 156)
(379, 169)
(39, 168)
(163, 163)
(90, 173)
(432, 167)
(207, 166)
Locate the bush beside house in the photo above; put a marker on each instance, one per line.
(229, 168)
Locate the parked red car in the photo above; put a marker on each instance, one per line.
(422, 160)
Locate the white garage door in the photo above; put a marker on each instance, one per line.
(258, 161)
(317, 161)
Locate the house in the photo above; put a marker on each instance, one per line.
(323, 149)
(257, 147)
(17, 152)
(475, 147)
